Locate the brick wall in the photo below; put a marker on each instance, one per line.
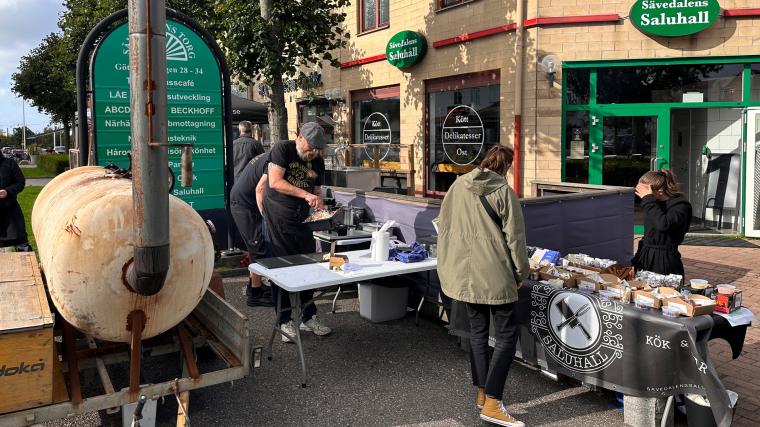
(542, 109)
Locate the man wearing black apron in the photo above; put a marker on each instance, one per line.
(296, 174)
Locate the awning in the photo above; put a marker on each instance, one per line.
(245, 109)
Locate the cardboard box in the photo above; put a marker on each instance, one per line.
(587, 284)
(690, 310)
(572, 282)
(648, 295)
(728, 303)
(592, 268)
(26, 335)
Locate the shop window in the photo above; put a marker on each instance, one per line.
(463, 122)
(577, 86)
(377, 123)
(443, 4)
(670, 83)
(576, 146)
(754, 83)
(374, 14)
(319, 112)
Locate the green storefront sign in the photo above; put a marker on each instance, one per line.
(195, 116)
(674, 18)
(405, 49)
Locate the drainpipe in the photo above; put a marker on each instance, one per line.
(150, 187)
(517, 133)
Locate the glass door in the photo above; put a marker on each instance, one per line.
(625, 143)
(752, 212)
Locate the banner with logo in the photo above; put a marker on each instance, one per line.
(613, 345)
(619, 347)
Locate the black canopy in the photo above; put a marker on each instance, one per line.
(245, 109)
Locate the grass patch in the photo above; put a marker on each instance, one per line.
(26, 199)
(36, 172)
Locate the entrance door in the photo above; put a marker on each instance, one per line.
(752, 212)
(626, 143)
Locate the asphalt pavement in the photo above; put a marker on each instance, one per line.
(366, 374)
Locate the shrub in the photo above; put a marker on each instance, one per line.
(53, 163)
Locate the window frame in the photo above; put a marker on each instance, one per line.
(378, 25)
(448, 84)
(440, 8)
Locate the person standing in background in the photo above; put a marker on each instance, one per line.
(245, 148)
(667, 217)
(12, 227)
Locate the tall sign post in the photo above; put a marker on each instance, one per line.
(195, 116)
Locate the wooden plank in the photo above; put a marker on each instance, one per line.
(26, 365)
(60, 393)
(16, 266)
(22, 294)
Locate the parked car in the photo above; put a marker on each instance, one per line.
(60, 149)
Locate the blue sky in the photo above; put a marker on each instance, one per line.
(23, 25)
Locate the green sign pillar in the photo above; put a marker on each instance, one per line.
(674, 18)
(194, 92)
(405, 49)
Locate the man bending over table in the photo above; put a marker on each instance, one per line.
(295, 176)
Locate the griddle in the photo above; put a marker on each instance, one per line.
(291, 260)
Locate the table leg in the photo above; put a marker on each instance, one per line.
(424, 294)
(297, 323)
(276, 327)
(337, 293)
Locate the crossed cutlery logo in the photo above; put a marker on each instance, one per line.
(575, 329)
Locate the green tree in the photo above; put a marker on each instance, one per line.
(42, 81)
(272, 39)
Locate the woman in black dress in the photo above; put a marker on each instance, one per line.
(667, 216)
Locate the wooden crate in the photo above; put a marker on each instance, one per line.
(26, 335)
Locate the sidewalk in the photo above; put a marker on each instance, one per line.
(741, 267)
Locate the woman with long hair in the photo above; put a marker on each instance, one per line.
(667, 217)
(482, 259)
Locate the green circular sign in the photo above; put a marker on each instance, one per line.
(405, 49)
(674, 18)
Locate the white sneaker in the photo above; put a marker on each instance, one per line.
(313, 325)
(290, 329)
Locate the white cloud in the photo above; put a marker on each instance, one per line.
(23, 25)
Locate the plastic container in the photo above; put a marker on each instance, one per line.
(378, 303)
(699, 283)
(669, 311)
(726, 289)
(380, 245)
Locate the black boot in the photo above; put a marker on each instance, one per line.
(256, 297)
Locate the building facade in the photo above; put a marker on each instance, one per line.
(586, 91)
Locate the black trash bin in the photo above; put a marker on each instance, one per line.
(699, 414)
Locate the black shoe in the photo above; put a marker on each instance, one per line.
(256, 297)
(24, 247)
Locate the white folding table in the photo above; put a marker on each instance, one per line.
(299, 278)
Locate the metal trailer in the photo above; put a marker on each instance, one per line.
(214, 323)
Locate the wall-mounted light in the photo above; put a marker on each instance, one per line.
(549, 66)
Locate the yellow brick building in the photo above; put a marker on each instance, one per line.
(584, 90)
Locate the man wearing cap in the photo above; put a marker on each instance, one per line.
(295, 176)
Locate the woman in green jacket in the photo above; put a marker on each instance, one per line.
(482, 259)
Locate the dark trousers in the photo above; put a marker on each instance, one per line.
(490, 371)
(249, 221)
(288, 237)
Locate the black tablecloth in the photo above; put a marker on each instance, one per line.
(619, 347)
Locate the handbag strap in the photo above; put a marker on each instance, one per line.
(491, 212)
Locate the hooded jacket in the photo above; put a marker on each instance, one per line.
(478, 262)
(665, 226)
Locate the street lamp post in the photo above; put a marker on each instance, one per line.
(23, 118)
